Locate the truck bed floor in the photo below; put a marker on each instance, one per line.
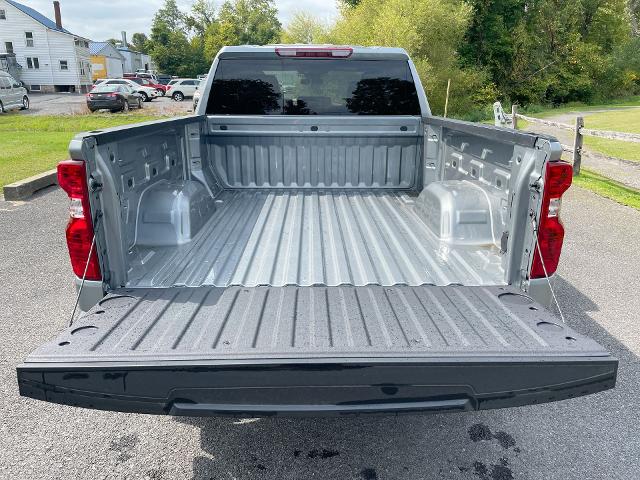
(315, 322)
(304, 238)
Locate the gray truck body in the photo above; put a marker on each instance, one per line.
(314, 264)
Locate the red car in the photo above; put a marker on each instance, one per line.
(147, 82)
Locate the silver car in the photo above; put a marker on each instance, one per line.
(12, 94)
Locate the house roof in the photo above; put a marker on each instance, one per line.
(96, 47)
(38, 17)
(127, 49)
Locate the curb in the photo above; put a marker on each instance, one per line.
(23, 189)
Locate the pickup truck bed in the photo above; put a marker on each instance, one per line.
(313, 241)
(315, 237)
(265, 350)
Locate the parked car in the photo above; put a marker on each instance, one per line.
(329, 250)
(13, 95)
(149, 82)
(148, 93)
(182, 88)
(116, 98)
(163, 78)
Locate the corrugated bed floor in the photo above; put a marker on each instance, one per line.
(314, 322)
(305, 238)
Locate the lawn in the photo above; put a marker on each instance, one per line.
(31, 144)
(607, 188)
(627, 120)
(543, 112)
(622, 120)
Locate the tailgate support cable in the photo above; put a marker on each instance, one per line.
(86, 267)
(544, 268)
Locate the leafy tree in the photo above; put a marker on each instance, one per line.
(177, 39)
(140, 42)
(171, 15)
(201, 17)
(431, 32)
(243, 22)
(305, 28)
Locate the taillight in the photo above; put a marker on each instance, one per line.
(557, 180)
(72, 178)
(314, 52)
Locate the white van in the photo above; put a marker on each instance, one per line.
(12, 94)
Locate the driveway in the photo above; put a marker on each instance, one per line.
(73, 103)
(593, 437)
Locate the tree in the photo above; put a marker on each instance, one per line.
(243, 22)
(305, 28)
(431, 31)
(349, 3)
(171, 15)
(169, 46)
(201, 17)
(140, 42)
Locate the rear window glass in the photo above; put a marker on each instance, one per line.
(106, 88)
(294, 86)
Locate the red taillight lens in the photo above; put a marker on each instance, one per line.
(79, 239)
(72, 178)
(557, 180)
(314, 52)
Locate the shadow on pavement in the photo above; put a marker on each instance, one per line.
(543, 441)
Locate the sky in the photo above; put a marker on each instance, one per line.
(100, 20)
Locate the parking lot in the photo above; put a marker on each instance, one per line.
(70, 103)
(593, 437)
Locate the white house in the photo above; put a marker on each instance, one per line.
(106, 60)
(51, 58)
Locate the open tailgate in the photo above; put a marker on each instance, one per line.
(266, 350)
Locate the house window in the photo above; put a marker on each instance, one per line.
(29, 38)
(35, 87)
(3, 15)
(64, 65)
(8, 46)
(33, 63)
(81, 68)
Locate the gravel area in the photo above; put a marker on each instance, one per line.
(69, 103)
(593, 437)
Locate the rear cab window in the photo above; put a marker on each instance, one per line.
(297, 86)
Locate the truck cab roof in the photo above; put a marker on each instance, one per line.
(358, 52)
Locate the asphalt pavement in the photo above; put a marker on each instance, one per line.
(586, 438)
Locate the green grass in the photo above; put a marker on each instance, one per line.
(623, 120)
(608, 188)
(620, 121)
(31, 144)
(540, 111)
